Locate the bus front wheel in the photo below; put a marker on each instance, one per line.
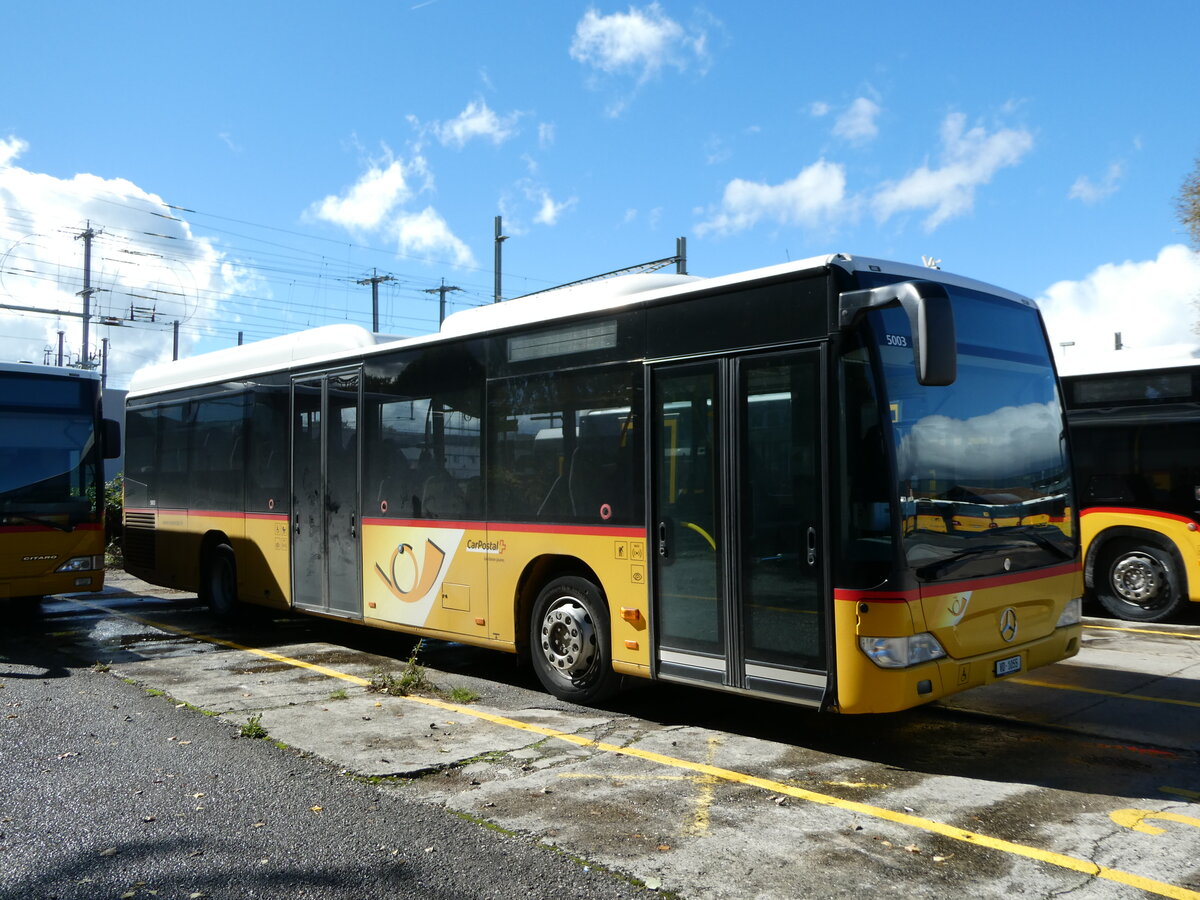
(220, 581)
(569, 641)
(1140, 582)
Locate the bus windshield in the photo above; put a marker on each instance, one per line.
(48, 450)
(984, 480)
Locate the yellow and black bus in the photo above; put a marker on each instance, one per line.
(53, 440)
(1136, 439)
(838, 482)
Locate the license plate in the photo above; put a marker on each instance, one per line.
(1008, 666)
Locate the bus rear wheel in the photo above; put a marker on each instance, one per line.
(569, 641)
(220, 581)
(1139, 582)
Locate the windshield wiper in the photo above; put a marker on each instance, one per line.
(1037, 536)
(934, 569)
(38, 521)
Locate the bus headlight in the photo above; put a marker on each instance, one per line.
(901, 652)
(82, 564)
(1072, 614)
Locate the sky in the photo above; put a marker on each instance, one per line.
(245, 169)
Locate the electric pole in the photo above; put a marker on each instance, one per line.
(442, 300)
(86, 293)
(500, 239)
(373, 281)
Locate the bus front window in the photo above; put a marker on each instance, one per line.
(984, 484)
(48, 453)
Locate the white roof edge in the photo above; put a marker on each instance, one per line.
(282, 352)
(610, 293)
(331, 342)
(908, 270)
(1115, 362)
(38, 369)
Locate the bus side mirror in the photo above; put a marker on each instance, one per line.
(930, 319)
(111, 435)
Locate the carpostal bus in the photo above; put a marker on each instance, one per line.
(1136, 435)
(839, 482)
(53, 441)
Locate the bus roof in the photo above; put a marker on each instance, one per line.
(28, 368)
(1113, 362)
(331, 342)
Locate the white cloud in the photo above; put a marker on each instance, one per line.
(144, 254)
(857, 124)
(549, 210)
(476, 121)
(378, 203)
(1151, 303)
(1092, 193)
(10, 148)
(819, 108)
(638, 44)
(969, 159)
(426, 233)
(367, 203)
(807, 200)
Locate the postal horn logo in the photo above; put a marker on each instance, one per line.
(419, 576)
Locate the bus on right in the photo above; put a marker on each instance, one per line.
(1135, 437)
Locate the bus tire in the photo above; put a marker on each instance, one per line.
(1139, 582)
(220, 581)
(570, 642)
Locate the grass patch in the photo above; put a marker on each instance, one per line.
(339, 694)
(463, 695)
(98, 666)
(412, 679)
(253, 727)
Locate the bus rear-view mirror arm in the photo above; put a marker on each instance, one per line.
(930, 317)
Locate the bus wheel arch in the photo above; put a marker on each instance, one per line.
(565, 614)
(218, 575)
(1137, 575)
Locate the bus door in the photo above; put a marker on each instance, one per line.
(737, 523)
(325, 488)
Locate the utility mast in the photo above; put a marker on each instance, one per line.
(374, 281)
(443, 290)
(87, 235)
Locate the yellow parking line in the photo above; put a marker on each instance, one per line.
(1084, 866)
(1178, 634)
(1086, 690)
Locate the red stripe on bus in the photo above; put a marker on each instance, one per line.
(22, 529)
(874, 596)
(1129, 510)
(938, 589)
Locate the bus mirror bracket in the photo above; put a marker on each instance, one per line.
(112, 438)
(930, 318)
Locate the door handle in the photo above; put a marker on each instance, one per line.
(353, 526)
(812, 545)
(662, 539)
(297, 523)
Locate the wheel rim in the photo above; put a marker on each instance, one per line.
(568, 638)
(1139, 580)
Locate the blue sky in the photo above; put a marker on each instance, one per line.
(247, 164)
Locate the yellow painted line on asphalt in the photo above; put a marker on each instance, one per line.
(1178, 634)
(1061, 860)
(1086, 690)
